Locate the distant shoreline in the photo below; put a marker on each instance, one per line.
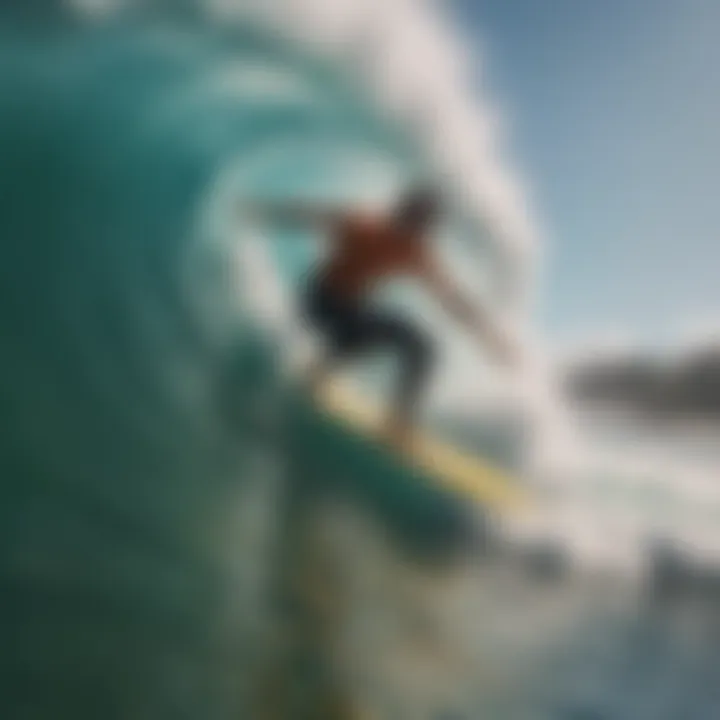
(686, 390)
(628, 410)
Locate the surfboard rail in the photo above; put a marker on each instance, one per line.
(472, 477)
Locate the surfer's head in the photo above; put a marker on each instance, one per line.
(418, 209)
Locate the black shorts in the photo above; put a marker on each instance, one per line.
(349, 326)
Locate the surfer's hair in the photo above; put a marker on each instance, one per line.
(419, 206)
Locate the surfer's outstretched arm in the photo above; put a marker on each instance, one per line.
(472, 315)
(294, 213)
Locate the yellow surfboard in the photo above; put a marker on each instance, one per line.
(454, 469)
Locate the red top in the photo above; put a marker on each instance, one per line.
(366, 250)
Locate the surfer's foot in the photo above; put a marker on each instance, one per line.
(399, 434)
(316, 377)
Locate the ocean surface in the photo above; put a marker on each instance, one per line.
(148, 447)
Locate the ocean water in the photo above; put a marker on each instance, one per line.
(148, 450)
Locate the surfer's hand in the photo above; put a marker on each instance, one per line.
(250, 211)
(504, 349)
(510, 355)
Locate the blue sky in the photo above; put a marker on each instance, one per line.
(614, 113)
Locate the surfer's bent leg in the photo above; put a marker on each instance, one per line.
(416, 355)
(382, 331)
(351, 329)
(337, 323)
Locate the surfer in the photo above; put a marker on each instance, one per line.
(365, 249)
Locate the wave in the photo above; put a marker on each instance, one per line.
(143, 329)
